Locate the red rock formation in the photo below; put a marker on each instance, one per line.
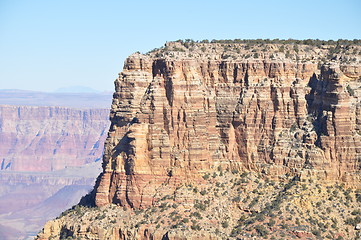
(175, 119)
(44, 138)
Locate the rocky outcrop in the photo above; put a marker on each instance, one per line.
(44, 138)
(176, 119)
(183, 115)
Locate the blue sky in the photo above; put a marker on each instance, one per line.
(49, 44)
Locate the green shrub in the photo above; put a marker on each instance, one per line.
(206, 176)
(261, 230)
(225, 224)
(358, 197)
(195, 227)
(200, 206)
(356, 212)
(271, 222)
(350, 90)
(353, 221)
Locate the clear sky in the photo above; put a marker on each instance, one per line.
(49, 44)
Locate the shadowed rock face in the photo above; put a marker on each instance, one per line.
(50, 138)
(173, 120)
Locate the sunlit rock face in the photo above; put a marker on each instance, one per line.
(173, 119)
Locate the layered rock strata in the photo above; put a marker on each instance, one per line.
(173, 119)
(50, 138)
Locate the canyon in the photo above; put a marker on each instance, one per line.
(43, 138)
(191, 119)
(29, 199)
(41, 172)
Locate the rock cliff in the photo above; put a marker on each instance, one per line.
(183, 112)
(176, 118)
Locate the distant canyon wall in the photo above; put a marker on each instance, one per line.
(50, 138)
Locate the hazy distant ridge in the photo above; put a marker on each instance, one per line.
(75, 100)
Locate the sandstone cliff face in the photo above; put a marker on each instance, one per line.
(174, 119)
(181, 116)
(44, 138)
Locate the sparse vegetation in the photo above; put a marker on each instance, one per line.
(309, 50)
(350, 90)
(270, 209)
(310, 42)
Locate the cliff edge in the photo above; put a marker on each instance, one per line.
(281, 112)
(175, 118)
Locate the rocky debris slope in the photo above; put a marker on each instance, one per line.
(226, 205)
(44, 138)
(183, 111)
